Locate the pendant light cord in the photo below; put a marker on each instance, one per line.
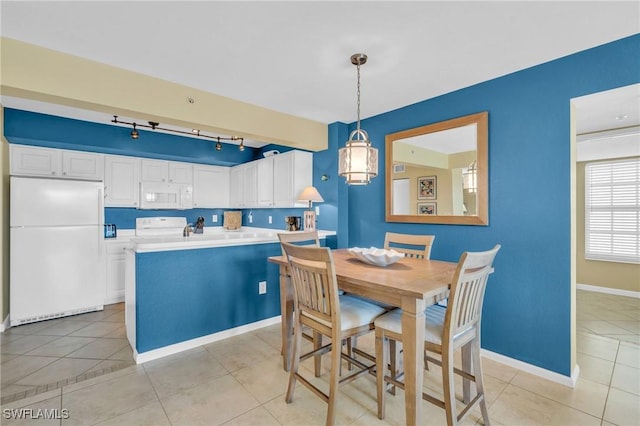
(358, 93)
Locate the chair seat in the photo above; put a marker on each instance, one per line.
(354, 312)
(392, 321)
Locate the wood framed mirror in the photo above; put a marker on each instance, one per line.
(439, 173)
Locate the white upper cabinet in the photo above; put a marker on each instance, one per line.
(292, 172)
(236, 184)
(122, 181)
(166, 171)
(210, 186)
(244, 185)
(250, 184)
(82, 165)
(36, 161)
(265, 182)
(273, 182)
(180, 172)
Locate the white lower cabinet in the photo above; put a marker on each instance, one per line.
(115, 273)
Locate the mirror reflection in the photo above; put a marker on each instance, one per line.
(438, 173)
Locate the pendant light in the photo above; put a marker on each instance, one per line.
(358, 160)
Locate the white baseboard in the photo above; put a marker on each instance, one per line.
(535, 370)
(608, 290)
(5, 324)
(204, 340)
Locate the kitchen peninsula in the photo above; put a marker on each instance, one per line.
(183, 292)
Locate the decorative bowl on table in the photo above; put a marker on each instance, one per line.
(375, 256)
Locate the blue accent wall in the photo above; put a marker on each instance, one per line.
(527, 305)
(185, 294)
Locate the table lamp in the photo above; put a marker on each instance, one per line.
(310, 194)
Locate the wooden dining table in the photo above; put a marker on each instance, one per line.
(410, 284)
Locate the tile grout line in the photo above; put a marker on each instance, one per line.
(59, 384)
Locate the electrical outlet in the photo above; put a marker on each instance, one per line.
(250, 218)
(262, 287)
(317, 210)
(214, 218)
(270, 219)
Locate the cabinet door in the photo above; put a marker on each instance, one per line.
(236, 187)
(265, 171)
(154, 170)
(84, 165)
(250, 184)
(210, 186)
(292, 173)
(121, 183)
(180, 172)
(115, 273)
(33, 161)
(283, 195)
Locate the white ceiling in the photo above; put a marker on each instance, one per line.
(293, 56)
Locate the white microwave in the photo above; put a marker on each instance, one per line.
(171, 196)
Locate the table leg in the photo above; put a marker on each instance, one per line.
(286, 312)
(413, 356)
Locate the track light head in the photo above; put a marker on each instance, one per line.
(241, 146)
(218, 145)
(134, 132)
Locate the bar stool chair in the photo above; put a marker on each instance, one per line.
(307, 238)
(417, 246)
(318, 306)
(446, 330)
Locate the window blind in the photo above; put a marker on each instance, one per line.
(612, 211)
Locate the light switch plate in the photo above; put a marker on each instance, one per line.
(214, 218)
(317, 211)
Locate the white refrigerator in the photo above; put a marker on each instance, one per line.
(56, 248)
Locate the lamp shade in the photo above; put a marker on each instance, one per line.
(310, 193)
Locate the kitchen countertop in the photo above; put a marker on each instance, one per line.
(212, 237)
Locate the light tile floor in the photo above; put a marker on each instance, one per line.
(239, 381)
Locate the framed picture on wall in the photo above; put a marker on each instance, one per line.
(427, 208)
(427, 186)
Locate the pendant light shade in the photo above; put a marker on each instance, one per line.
(358, 160)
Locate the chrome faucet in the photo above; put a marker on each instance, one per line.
(187, 230)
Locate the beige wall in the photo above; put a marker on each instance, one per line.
(4, 220)
(41, 74)
(620, 276)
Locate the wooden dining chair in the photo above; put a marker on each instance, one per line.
(446, 330)
(417, 246)
(412, 245)
(318, 306)
(307, 238)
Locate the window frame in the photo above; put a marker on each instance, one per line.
(623, 184)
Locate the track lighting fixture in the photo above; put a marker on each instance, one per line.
(153, 125)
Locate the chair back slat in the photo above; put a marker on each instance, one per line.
(467, 291)
(314, 282)
(415, 246)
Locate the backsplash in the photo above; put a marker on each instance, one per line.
(125, 218)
